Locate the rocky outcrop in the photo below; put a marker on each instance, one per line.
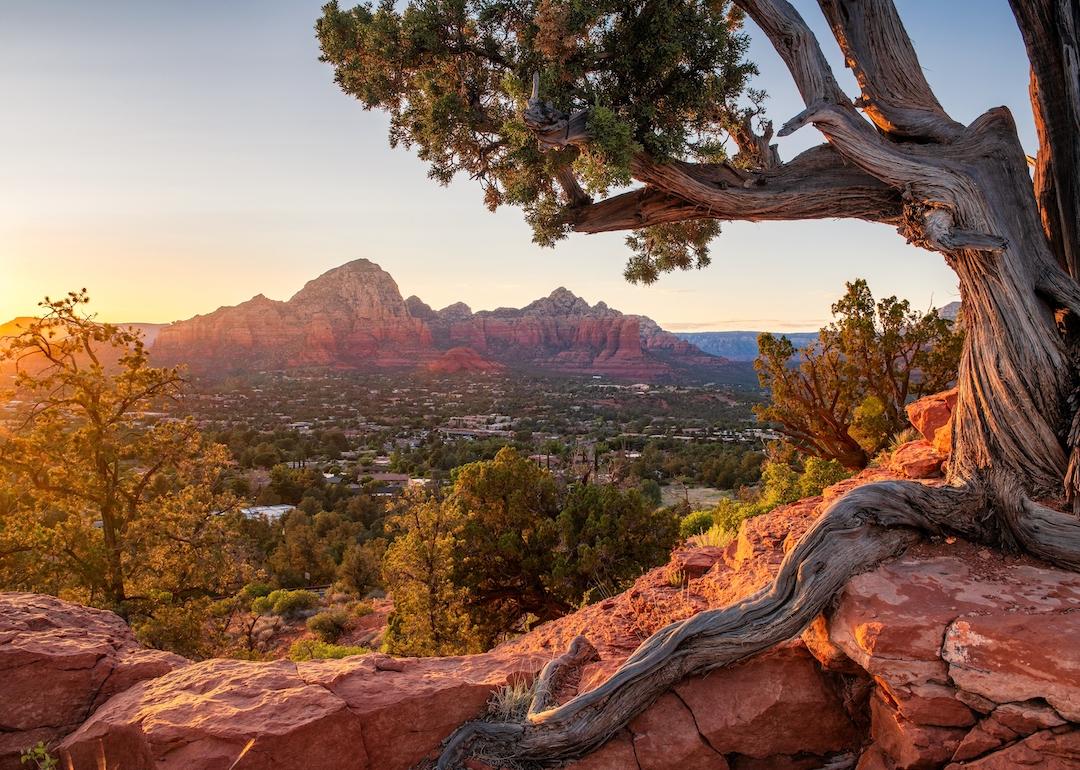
(917, 460)
(58, 663)
(932, 417)
(951, 656)
(353, 317)
(967, 652)
(463, 361)
(360, 712)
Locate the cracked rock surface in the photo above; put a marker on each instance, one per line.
(59, 662)
(951, 657)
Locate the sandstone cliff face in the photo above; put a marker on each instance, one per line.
(353, 317)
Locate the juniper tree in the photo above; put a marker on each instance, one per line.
(844, 399)
(643, 95)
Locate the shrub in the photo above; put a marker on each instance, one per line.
(255, 590)
(677, 578)
(313, 649)
(903, 437)
(285, 603)
(360, 609)
(510, 703)
(730, 514)
(818, 474)
(38, 757)
(329, 625)
(715, 536)
(695, 523)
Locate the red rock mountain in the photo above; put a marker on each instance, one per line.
(353, 317)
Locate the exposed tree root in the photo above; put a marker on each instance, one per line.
(861, 529)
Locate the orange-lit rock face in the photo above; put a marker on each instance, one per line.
(932, 417)
(917, 460)
(353, 317)
(463, 360)
(58, 663)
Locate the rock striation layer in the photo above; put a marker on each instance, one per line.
(353, 317)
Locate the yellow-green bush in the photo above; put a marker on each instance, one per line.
(313, 649)
(329, 625)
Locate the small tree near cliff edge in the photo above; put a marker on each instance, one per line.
(844, 398)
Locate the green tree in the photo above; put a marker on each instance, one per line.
(429, 616)
(106, 503)
(508, 547)
(659, 77)
(507, 509)
(607, 538)
(844, 399)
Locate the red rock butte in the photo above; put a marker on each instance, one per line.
(353, 317)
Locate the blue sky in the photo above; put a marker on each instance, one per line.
(174, 157)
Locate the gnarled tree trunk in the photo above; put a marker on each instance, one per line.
(963, 191)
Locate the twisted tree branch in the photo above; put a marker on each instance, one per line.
(895, 95)
(858, 531)
(1051, 32)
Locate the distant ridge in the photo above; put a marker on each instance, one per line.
(353, 317)
(742, 345)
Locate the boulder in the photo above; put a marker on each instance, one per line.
(351, 713)
(58, 662)
(932, 417)
(916, 460)
(779, 702)
(1018, 656)
(667, 735)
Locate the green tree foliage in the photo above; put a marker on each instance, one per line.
(315, 649)
(286, 603)
(454, 75)
(506, 541)
(844, 397)
(694, 523)
(607, 538)
(429, 615)
(104, 503)
(328, 625)
(508, 546)
(781, 483)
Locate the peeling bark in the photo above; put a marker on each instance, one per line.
(962, 191)
(1051, 32)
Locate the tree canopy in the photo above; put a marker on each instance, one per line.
(663, 79)
(101, 501)
(509, 546)
(843, 397)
